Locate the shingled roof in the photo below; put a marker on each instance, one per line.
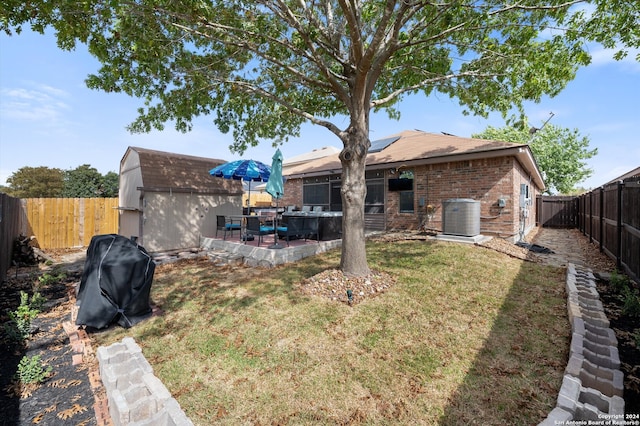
(166, 171)
(416, 147)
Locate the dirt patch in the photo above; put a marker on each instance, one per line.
(627, 330)
(336, 286)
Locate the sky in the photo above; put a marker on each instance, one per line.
(48, 117)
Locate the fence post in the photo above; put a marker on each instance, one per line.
(601, 221)
(619, 226)
(591, 217)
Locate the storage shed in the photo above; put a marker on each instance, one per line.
(168, 201)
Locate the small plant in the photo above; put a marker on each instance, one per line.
(31, 370)
(631, 305)
(54, 277)
(19, 326)
(619, 282)
(636, 338)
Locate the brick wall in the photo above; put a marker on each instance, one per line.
(292, 193)
(484, 180)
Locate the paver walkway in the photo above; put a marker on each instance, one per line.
(571, 246)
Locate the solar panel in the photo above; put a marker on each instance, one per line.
(380, 144)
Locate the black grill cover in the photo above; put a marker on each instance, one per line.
(116, 283)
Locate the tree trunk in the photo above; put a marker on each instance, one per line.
(353, 261)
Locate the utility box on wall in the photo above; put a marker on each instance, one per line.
(461, 216)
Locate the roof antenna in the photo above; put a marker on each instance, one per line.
(534, 130)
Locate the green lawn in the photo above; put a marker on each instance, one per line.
(466, 335)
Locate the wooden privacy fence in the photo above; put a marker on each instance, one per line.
(557, 212)
(11, 221)
(610, 217)
(70, 222)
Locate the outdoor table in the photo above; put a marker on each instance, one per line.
(329, 224)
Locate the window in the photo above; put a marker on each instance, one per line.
(316, 195)
(406, 202)
(406, 197)
(374, 202)
(336, 197)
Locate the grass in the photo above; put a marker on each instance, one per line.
(467, 335)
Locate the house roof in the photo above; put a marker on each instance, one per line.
(312, 155)
(165, 171)
(409, 148)
(632, 173)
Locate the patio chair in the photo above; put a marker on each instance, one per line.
(299, 227)
(254, 227)
(222, 224)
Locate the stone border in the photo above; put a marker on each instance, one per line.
(222, 251)
(135, 395)
(593, 384)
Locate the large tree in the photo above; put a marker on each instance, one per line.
(82, 182)
(109, 185)
(559, 152)
(36, 182)
(264, 67)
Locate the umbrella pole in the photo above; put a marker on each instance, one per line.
(245, 237)
(275, 244)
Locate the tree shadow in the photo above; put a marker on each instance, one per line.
(518, 364)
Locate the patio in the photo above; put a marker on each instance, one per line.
(251, 254)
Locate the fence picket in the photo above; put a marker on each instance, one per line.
(70, 222)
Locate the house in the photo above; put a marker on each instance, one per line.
(168, 201)
(632, 173)
(290, 163)
(412, 175)
(264, 198)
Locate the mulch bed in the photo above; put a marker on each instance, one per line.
(65, 397)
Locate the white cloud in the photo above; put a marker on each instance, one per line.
(33, 103)
(603, 57)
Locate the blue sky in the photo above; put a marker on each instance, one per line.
(48, 117)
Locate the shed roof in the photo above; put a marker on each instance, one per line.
(413, 147)
(165, 171)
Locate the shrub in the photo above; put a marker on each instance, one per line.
(19, 326)
(31, 370)
(631, 305)
(54, 277)
(619, 282)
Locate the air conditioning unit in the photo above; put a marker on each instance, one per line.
(461, 216)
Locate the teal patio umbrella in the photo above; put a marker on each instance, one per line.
(275, 187)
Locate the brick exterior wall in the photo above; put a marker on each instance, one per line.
(484, 180)
(292, 193)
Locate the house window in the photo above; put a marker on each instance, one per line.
(325, 191)
(374, 202)
(406, 197)
(316, 194)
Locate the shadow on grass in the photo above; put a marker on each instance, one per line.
(516, 376)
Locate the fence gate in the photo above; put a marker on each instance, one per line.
(557, 211)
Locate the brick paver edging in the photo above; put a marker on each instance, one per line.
(592, 385)
(135, 395)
